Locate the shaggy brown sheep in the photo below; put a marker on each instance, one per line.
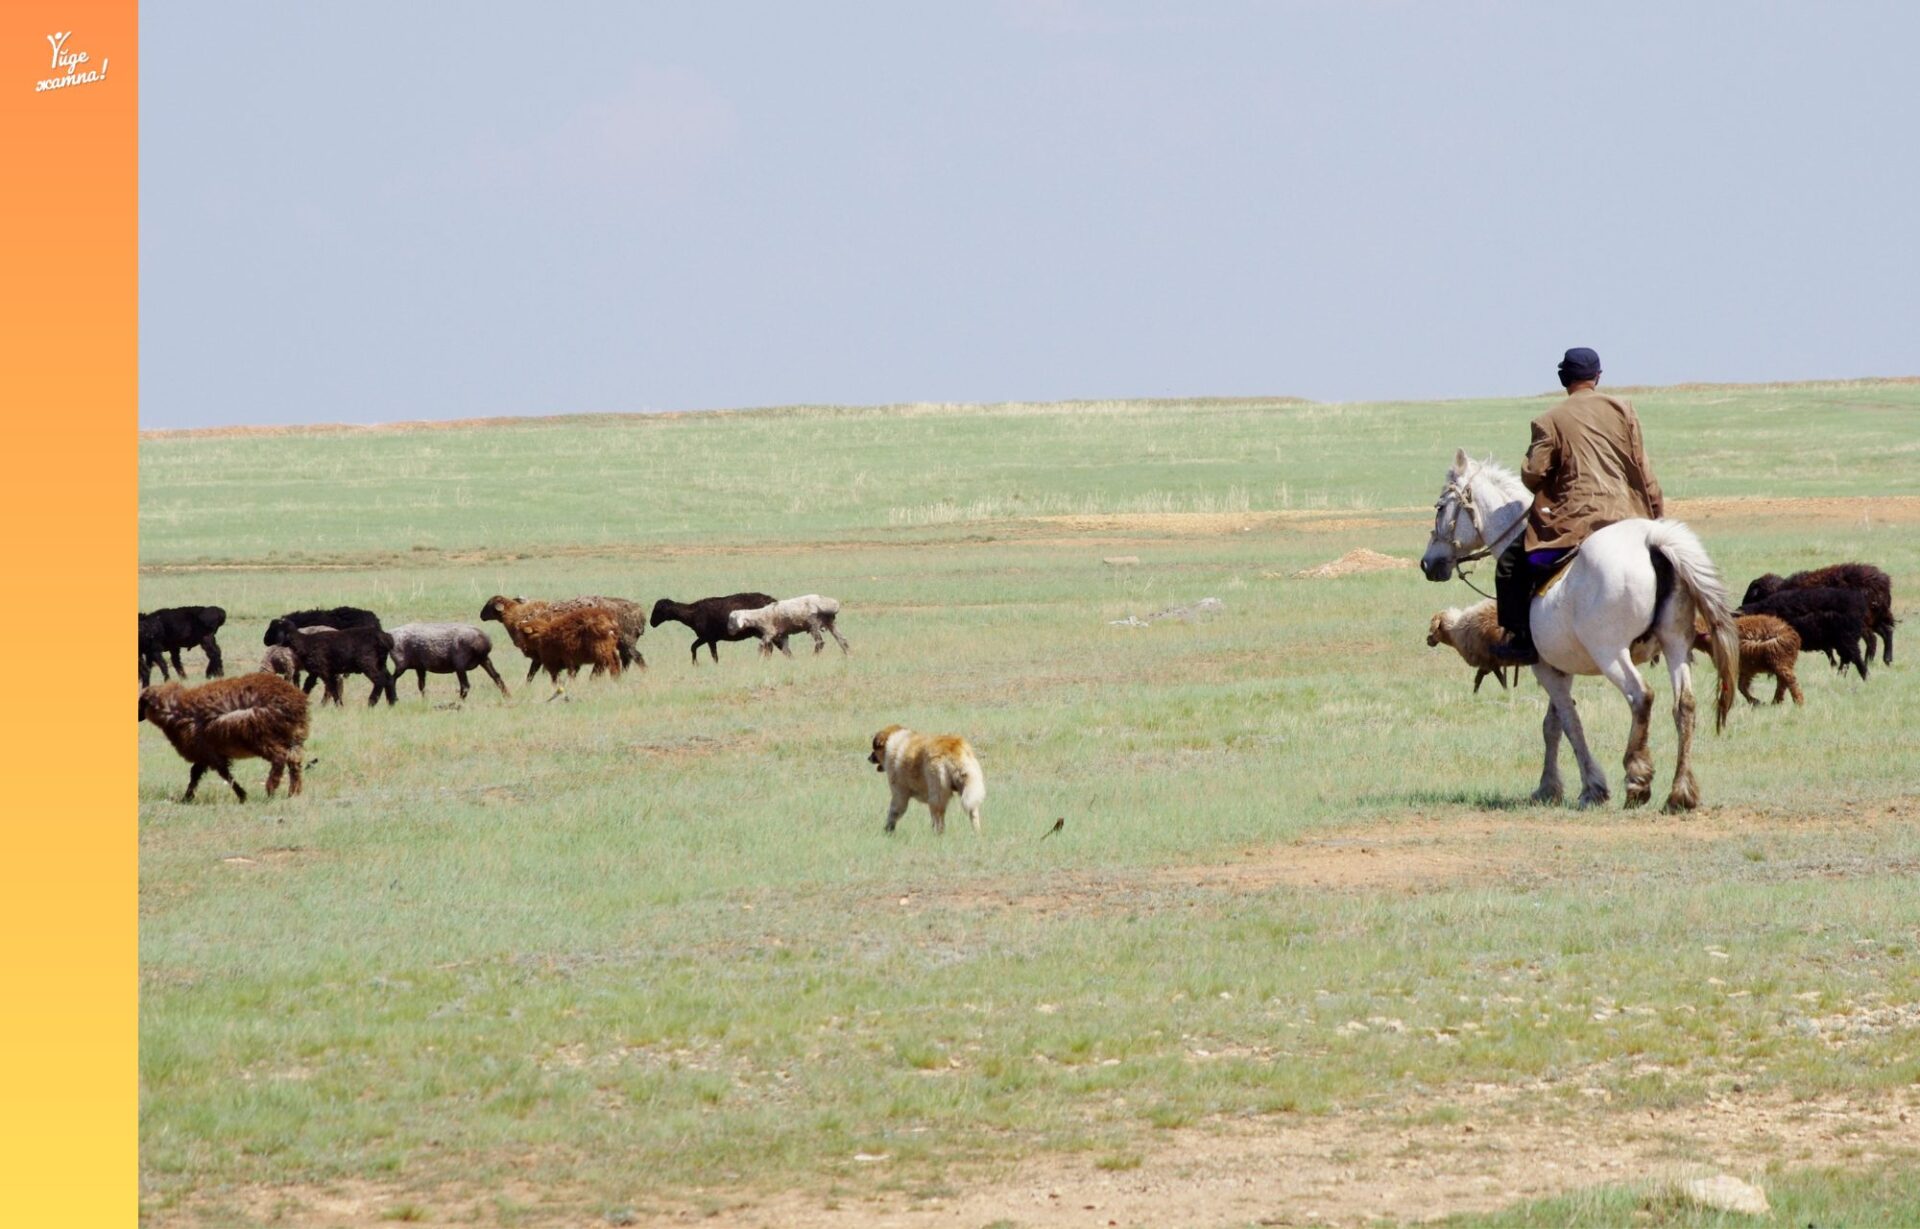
(253, 716)
(630, 621)
(1767, 646)
(570, 640)
(1472, 633)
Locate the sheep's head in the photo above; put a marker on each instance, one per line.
(737, 620)
(1763, 586)
(153, 698)
(1437, 629)
(278, 631)
(496, 607)
(660, 612)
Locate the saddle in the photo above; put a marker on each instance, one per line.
(1546, 580)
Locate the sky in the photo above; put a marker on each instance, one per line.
(372, 212)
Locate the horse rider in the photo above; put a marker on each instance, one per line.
(1587, 468)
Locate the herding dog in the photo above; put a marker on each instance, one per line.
(932, 768)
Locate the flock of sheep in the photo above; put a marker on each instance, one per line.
(1844, 611)
(264, 715)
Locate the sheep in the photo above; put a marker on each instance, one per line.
(568, 641)
(172, 628)
(280, 660)
(251, 716)
(1833, 621)
(443, 648)
(329, 653)
(629, 620)
(338, 617)
(1472, 633)
(1767, 646)
(1863, 578)
(708, 619)
(774, 623)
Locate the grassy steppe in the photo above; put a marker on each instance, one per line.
(648, 948)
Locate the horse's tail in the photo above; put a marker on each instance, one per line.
(1700, 581)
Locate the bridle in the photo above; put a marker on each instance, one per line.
(1462, 496)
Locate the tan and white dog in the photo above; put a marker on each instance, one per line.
(932, 768)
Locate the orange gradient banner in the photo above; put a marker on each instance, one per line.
(69, 303)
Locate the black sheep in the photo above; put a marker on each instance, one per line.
(1829, 620)
(172, 628)
(708, 619)
(329, 653)
(1863, 578)
(338, 617)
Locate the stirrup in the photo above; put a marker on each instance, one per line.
(1516, 651)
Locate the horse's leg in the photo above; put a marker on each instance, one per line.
(1620, 671)
(1593, 778)
(1685, 794)
(1550, 791)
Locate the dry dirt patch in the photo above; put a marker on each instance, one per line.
(1479, 1149)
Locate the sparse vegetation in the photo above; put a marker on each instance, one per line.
(652, 939)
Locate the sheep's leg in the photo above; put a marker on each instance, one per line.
(819, 642)
(294, 770)
(896, 808)
(1793, 684)
(1746, 681)
(494, 675)
(1622, 673)
(462, 676)
(1479, 676)
(696, 650)
(331, 691)
(1685, 794)
(273, 775)
(193, 781)
(835, 633)
(215, 668)
(1886, 642)
(533, 668)
(226, 774)
(178, 668)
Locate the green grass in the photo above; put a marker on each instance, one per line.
(652, 938)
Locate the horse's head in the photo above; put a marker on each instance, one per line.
(1459, 525)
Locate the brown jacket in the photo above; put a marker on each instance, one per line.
(1587, 468)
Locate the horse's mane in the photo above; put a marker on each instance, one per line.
(1508, 481)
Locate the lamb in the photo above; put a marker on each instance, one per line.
(280, 660)
(172, 628)
(1832, 621)
(1472, 633)
(443, 648)
(329, 653)
(774, 623)
(708, 619)
(570, 640)
(1767, 646)
(1863, 578)
(251, 716)
(629, 620)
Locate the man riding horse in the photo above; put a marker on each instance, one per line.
(1587, 468)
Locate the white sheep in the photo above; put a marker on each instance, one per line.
(1472, 633)
(811, 614)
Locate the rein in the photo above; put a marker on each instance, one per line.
(1463, 496)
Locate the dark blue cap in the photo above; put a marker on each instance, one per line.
(1579, 364)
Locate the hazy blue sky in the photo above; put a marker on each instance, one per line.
(374, 211)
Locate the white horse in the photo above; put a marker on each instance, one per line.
(1633, 585)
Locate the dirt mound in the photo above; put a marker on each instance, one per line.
(1359, 559)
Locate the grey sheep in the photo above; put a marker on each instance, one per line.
(443, 648)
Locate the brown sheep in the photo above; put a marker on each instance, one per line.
(1767, 646)
(570, 640)
(252, 716)
(630, 619)
(1472, 633)
(280, 660)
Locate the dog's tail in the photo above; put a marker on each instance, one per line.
(969, 782)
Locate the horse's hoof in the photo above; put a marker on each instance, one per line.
(1638, 796)
(1681, 801)
(1594, 797)
(1544, 797)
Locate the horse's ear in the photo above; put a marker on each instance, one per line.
(1460, 461)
